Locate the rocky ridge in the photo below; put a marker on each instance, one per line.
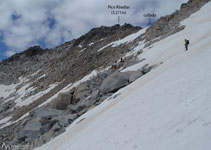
(170, 24)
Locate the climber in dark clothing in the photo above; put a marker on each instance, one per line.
(186, 44)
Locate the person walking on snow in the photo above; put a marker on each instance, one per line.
(186, 44)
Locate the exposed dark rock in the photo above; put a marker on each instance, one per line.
(32, 51)
(102, 32)
(35, 50)
(7, 106)
(145, 69)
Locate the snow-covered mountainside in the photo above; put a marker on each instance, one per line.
(168, 108)
(119, 87)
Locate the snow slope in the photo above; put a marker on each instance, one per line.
(167, 109)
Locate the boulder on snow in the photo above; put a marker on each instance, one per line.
(94, 95)
(103, 75)
(31, 130)
(114, 82)
(62, 101)
(81, 107)
(81, 92)
(43, 139)
(133, 75)
(56, 127)
(74, 109)
(43, 121)
(65, 120)
(145, 69)
(45, 112)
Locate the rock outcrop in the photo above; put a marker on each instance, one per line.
(62, 101)
(114, 82)
(7, 79)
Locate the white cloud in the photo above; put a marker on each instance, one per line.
(72, 18)
(9, 53)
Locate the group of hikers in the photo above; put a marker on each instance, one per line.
(116, 65)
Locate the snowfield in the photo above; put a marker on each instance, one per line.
(167, 109)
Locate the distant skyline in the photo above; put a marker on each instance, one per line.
(49, 23)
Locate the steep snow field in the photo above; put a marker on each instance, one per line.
(167, 109)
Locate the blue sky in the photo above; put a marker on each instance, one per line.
(49, 23)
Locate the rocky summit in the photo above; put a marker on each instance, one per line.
(43, 91)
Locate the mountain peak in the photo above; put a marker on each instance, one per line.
(103, 32)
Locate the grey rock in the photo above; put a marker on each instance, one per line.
(71, 117)
(1, 109)
(72, 108)
(44, 121)
(81, 92)
(95, 94)
(133, 75)
(7, 106)
(103, 75)
(82, 111)
(1, 99)
(105, 96)
(81, 107)
(114, 82)
(37, 142)
(145, 69)
(7, 79)
(45, 112)
(75, 109)
(62, 101)
(66, 119)
(45, 128)
(90, 102)
(43, 139)
(56, 127)
(31, 130)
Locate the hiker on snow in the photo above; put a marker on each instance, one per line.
(186, 44)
